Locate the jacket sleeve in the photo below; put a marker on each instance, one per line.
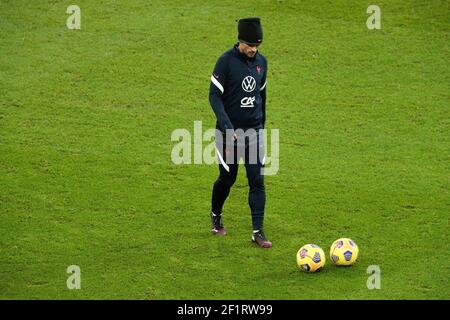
(263, 96)
(216, 90)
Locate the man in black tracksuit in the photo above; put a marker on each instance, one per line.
(238, 97)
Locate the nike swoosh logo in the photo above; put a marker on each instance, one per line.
(217, 77)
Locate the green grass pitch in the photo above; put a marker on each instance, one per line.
(86, 176)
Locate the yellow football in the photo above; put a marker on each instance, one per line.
(310, 258)
(344, 252)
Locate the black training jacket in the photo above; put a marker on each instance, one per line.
(238, 91)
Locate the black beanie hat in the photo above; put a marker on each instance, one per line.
(250, 31)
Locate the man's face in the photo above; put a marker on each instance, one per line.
(248, 50)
